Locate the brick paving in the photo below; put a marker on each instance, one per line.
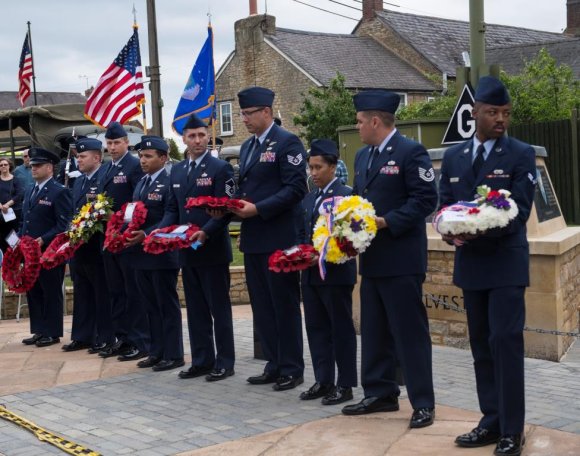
(131, 411)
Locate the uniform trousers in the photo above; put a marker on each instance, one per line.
(130, 322)
(92, 304)
(158, 289)
(331, 333)
(394, 327)
(275, 300)
(495, 319)
(209, 312)
(45, 303)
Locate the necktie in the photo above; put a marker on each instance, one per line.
(85, 184)
(251, 152)
(372, 158)
(145, 186)
(190, 171)
(318, 197)
(111, 169)
(479, 160)
(34, 193)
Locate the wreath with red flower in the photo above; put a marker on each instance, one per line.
(61, 249)
(21, 265)
(115, 239)
(213, 202)
(295, 258)
(160, 244)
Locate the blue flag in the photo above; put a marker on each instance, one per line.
(199, 94)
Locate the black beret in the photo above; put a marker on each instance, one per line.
(323, 147)
(115, 131)
(152, 142)
(194, 122)
(85, 144)
(39, 156)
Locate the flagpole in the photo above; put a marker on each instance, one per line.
(32, 62)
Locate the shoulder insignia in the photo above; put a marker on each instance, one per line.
(295, 160)
(427, 175)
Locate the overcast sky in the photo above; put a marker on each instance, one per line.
(75, 41)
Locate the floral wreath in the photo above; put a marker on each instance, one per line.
(345, 228)
(213, 202)
(295, 258)
(60, 250)
(115, 240)
(165, 240)
(21, 265)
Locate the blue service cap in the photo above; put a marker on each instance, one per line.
(376, 100)
(115, 131)
(194, 122)
(255, 96)
(39, 156)
(86, 144)
(323, 147)
(152, 142)
(491, 91)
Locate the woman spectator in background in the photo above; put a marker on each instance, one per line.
(11, 193)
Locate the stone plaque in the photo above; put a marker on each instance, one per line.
(545, 197)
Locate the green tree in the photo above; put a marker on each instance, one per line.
(440, 107)
(324, 109)
(174, 151)
(543, 91)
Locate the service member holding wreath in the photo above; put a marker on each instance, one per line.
(47, 210)
(492, 268)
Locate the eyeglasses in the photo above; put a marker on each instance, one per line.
(246, 114)
(2, 165)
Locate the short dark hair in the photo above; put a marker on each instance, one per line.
(328, 159)
(10, 164)
(386, 118)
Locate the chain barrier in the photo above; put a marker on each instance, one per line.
(46, 436)
(456, 308)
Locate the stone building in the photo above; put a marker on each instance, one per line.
(386, 49)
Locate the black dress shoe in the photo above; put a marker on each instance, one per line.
(31, 340)
(339, 395)
(96, 348)
(317, 390)
(263, 379)
(75, 345)
(195, 371)
(114, 349)
(510, 445)
(372, 405)
(168, 364)
(287, 382)
(46, 341)
(148, 362)
(478, 437)
(133, 354)
(219, 374)
(422, 417)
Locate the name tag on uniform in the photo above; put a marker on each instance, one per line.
(155, 196)
(45, 202)
(176, 185)
(389, 170)
(120, 179)
(267, 157)
(453, 179)
(204, 181)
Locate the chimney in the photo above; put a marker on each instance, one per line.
(370, 7)
(253, 7)
(573, 22)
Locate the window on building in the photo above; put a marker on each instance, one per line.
(226, 121)
(403, 99)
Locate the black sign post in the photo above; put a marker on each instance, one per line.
(461, 126)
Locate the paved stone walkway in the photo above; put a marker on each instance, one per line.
(116, 409)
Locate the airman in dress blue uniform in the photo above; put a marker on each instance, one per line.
(157, 274)
(46, 212)
(92, 325)
(493, 269)
(273, 183)
(396, 176)
(119, 180)
(205, 271)
(328, 302)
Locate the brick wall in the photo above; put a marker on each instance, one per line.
(570, 280)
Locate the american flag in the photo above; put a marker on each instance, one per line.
(25, 72)
(119, 93)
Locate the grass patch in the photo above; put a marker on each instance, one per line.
(237, 255)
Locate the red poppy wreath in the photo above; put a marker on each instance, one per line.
(61, 249)
(295, 258)
(21, 265)
(115, 239)
(170, 238)
(213, 202)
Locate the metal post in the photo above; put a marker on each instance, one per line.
(154, 73)
(476, 39)
(12, 145)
